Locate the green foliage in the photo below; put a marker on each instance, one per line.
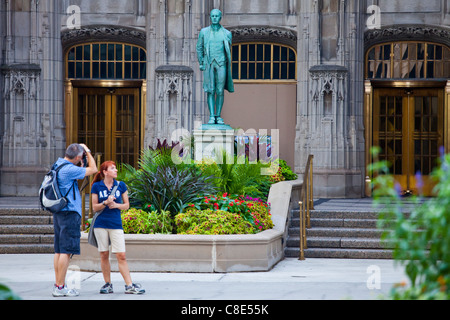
(223, 202)
(237, 176)
(286, 170)
(421, 240)
(207, 222)
(277, 177)
(164, 185)
(261, 215)
(136, 221)
(7, 294)
(255, 211)
(125, 173)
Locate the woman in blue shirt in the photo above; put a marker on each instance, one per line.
(108, 225)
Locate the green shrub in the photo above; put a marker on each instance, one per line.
(7, 294)
(208, 222)
(286, 171)
(224, 202)
(260, 212)
(421, 240)
(253, 210)
(235, 175)
(136, 221)
(277, 177)
(165, 186)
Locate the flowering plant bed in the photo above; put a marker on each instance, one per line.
(221, 214)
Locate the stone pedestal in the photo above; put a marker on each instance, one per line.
(209, 142)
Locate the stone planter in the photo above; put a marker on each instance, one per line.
(203, 253)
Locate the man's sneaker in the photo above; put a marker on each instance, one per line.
(107, 288)
(64, 292)
(135, 288)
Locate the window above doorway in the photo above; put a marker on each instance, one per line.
(263, 62)
(408, 60)
(104, 60)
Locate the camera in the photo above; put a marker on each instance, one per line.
(84, 160)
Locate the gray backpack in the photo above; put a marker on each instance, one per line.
(50, 197)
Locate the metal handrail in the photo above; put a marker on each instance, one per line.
(306, 205)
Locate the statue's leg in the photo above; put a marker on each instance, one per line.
(211, 103)
(219, 105)
(222, 76)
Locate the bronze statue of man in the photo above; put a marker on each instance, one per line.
(214, 57)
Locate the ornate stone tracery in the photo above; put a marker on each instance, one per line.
(71, 37)
(328, 116)
(407, 32)
(25, 125)
(174, 109)
(264, 33)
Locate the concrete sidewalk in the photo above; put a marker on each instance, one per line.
(32, 278)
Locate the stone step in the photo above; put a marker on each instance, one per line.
(333, 253)
(24, 212)
(327, 214)
(338, 223)
(26, 238)
(338, 232)
(349, 243)
(26, 229)
(26, 248)
(28, 219)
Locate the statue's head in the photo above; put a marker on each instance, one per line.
(216, 16)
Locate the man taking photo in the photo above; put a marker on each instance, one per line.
(67, 222)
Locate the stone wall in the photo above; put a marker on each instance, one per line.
(330, 37)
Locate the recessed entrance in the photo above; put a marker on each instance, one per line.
(407, 116)
(105, 98)
(408, 127)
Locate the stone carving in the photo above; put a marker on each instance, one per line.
(22, 129)
(328, 79)
(328, 122)
(264, 33)
(23, 80)
(103, 33)
(174, 108)
(409, 32)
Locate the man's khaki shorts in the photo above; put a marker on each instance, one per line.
(106, 236)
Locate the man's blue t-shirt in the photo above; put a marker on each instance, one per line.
(110, 218)
(68, 177)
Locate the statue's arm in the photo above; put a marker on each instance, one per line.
(200, 49)
(229, 37)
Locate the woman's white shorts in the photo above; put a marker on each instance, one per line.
(106, 236)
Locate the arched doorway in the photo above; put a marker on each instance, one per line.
(105, 98)
(406, 109)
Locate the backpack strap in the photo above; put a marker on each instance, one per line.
(113, 191)
(57, 170)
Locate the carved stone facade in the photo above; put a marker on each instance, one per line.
(330, 38)
(174, 109)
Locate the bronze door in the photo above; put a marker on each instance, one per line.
(408, 127)
(107, 121)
